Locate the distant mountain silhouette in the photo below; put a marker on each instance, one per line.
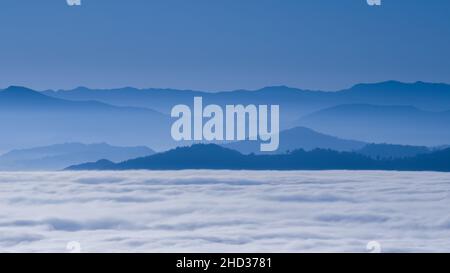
(195, 156)
(210, 156)
(388, 112)
(422, 95)
(31, 119)
(101, 164)
(294, 103)
(21, 98)
(300, 138)
(387, 124)
(57, 157)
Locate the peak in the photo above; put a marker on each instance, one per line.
(385, 83)
(397, 86)
(276, 87)
(203, 147)
(21, 91)
(399, 83)
(15, 88)
(392, 82)
(104, 161)
(18, 94)
(81, 88)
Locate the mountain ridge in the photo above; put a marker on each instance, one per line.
(407, 125)
(300, 138)
(294, 102)
(58, 156)
(133, 116)
(211, 156)
(31, 119)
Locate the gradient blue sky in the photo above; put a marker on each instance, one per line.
(222, 44)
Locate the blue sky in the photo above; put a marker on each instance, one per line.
(222, 44)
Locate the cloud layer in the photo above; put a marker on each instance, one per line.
(223, 211)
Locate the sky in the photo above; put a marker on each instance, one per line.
(214, 45)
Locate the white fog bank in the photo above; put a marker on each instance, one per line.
(224, 211)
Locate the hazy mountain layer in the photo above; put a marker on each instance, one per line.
(31, 119)
(57, 157)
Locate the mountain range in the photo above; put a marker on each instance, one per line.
(31, 119)
(59, 156)
(387, 112)
(306, 139)
(294, 102)
(415, 114)
(300, 138)
(211, 156)
(382, 124)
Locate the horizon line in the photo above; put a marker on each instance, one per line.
(224, 91)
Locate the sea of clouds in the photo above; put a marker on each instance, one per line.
(224, 211)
